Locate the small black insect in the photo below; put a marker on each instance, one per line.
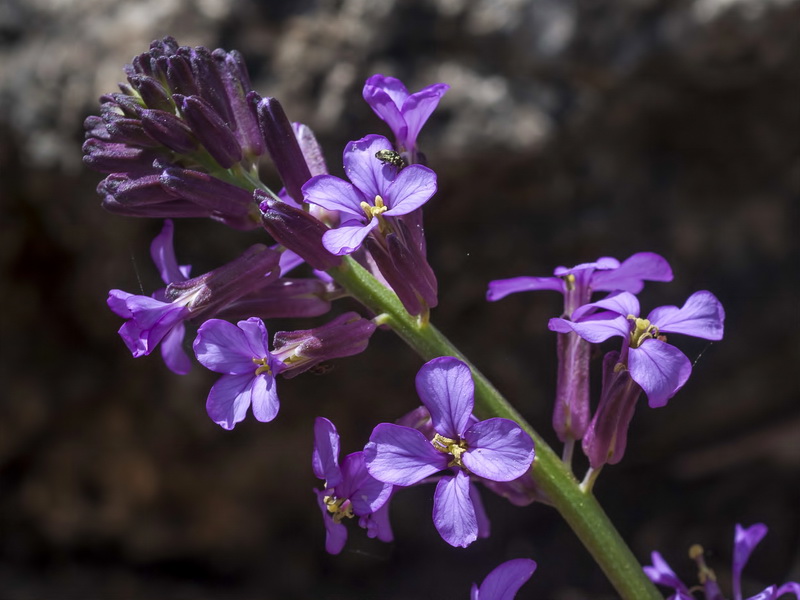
(390, 157)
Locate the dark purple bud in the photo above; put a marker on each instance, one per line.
(237, 84)
(521, 491)
(571, 412)
(210, 192)
(180, 76)
(96, 128)
(153, 93)
(140, 65)
(209, 82)
(129, 106)
(281, 299)
(282, 145)
(296, 230)
(346, 335)
(107, 157)
(419, 419)
(128, 131)
(129, 192)
(210, 129)
(163, 47)
(169, 130)
(173, 209)
(607, 434)
(213, 291)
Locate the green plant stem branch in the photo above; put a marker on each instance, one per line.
(580, 509)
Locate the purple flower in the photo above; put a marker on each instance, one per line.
(504, 581)
(404, 113)
(577, 284)
(349, 490)
(377, 191)
(153, 320)
(659, 368)
(241, 353)
(745, 540)
(495, 449)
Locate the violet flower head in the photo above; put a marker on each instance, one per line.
(504, 581)
(578, 283)
(377, 191)
(349, 490)
(495, 449)
(404, 113)
(745, 540)
(154, 320)
(658, 367)
(241, 353)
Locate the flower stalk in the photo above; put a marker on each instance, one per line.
(579, 508)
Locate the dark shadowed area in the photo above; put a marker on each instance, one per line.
(573, 129)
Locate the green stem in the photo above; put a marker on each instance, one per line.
(579, 508)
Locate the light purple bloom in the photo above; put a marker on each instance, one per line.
(745, 540)
(577, 284)
(241, 353)
(504, 581)
(404, 113)
(494, 449)
(349, 490)
(659, 368)
(153, 320)
(377, 191)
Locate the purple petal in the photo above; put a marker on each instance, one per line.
(163, 255)
(630, 275)
(418, 107)
(623, 303)
(264, 398)
(602, 263)
(256, 335)
(172, 351)
(366, 493)
(150, 320)
(229, 398)
(325, 458)
(661, 574)
(500, 288)
(660, 369)
(386, 96)
(378, 525)
(446, 389)
(289, 261)
(222, 347)
(499, 450)
(362, 168)
(401, 455)
(789, 588)
(504, 581)
(701, 316)
(412, 188)
(595, 331)
(767, 594)
(453, 513)
(744, 541)
(332, 193)
(347, 238)
(335, 533)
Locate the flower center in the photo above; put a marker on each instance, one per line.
(374, 211)
(642, 330)
(453, 447)
(340, 508)
(262, 367)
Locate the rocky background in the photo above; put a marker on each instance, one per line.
(573, 129)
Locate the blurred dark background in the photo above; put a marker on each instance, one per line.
(574, 129)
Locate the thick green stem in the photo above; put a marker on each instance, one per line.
(580, 509)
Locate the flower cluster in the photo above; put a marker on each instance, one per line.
(645, 362)
(183, 138)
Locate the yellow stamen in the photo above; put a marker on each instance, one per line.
(642, 330)
(340, 508)
(455, 448)
(263, 368)
(374, 211)
(569, 281)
